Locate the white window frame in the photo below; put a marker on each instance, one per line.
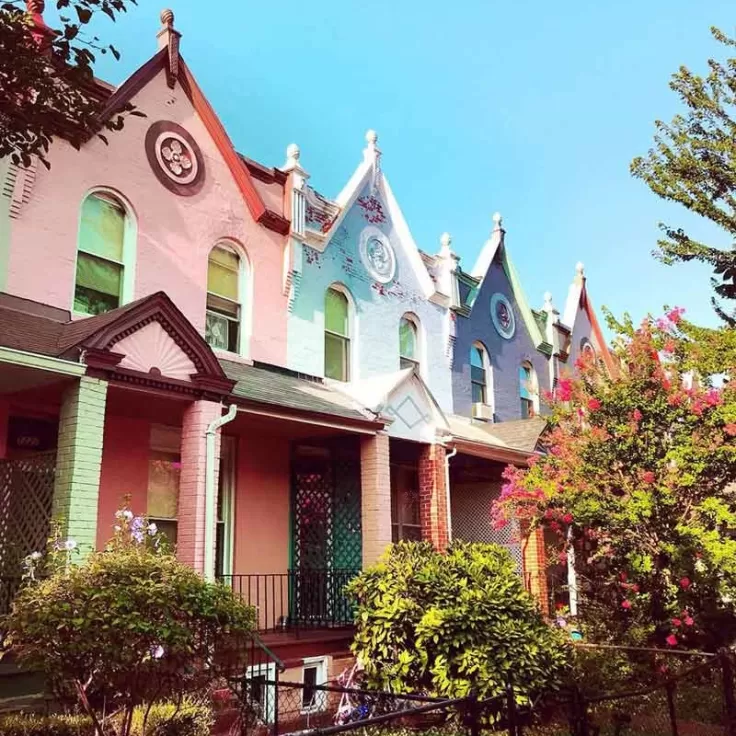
(321, 664)
(267, 669)
(352, 336)
(130, 240)
(532, 388)
(245, 297)
(419, 358)
(477, 345)
(229, 484)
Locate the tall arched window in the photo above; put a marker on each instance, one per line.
(528, 392)
(479, 373)
(105, 234)
(337, 335)
(224, 298)
(408, 344)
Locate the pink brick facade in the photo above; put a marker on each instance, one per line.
(433, 495)
(376, 496)
(191, 513)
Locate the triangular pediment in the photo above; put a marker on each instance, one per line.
(151, 349)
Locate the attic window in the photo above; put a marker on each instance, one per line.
(224, 279)
(337, 335)
(408, 344)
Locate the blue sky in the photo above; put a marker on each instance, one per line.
(531, 108)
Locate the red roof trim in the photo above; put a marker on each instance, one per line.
(222, 141)
(595, 326)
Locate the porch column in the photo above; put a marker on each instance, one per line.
(375, 487)
(79, 460)
(534, 560)
(191, 512)
(433, 496)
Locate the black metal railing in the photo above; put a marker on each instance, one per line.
(297, 599)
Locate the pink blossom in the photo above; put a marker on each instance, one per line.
(730, 429)
(675, 315)
(562, 557)
(713, 397)
(636, 415)
(564, 389)
(669, 346)
(676, 622)
(689, 621)
(648, 476)
(594, 404)
(567, 518)
(672, 640)
(685, 583)
(626, 604)
(554, 526)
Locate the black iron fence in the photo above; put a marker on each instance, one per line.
(697, 701)
(297, 599)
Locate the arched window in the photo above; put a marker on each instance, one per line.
(106, 238)
(479, 374)
(587, 349)
(337, 335)
(224, 298)
(528, 390)
(408, 344)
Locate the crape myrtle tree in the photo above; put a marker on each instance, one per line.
(638, 479)
(693, 163)
(46, 77)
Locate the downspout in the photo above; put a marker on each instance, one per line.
(210, 490)
(448, 457)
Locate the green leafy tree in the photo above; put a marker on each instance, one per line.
(639, 478)
(450, 623)
(46, 78)
(693, 163)
(128, 627)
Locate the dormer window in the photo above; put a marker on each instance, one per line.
(408, 344)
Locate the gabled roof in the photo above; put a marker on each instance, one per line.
(577, 298)
(494, 248)
(170, 61)
(512, 441)
(370, 172)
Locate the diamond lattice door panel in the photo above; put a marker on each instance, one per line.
(26, 498)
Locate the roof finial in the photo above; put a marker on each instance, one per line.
(580, 268)
(445, 241)
(293, 152)
(371, 137)
(167, 18)
(39, 30)
(36, 7)
(548, 306)
(497, 221)
(168, 38)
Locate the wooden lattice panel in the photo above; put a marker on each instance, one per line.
(26, 498)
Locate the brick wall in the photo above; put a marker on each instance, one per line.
(376, 496)
(535, 566)
(191, 512)
(79, 459)
(433, 495)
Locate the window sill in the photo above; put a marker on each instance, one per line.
(233, 357)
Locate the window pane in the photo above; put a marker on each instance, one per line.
(336, 312)
(99, 275)
(223, 271)
(476, 358)
(102, 229)
(524, 382)
(405, 488)
(164, 469)
(309, 693)
(407, 339)
(336, 357)
(479, 393)
(93, 302)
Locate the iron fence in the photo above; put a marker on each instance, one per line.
(297, 599)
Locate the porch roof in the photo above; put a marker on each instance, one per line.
(510, 441)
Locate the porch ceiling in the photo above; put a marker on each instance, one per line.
(256, 424)
(18, 379)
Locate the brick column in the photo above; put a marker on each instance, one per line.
(79, 460)
(433, 495)
(375, 486)
(191, 511)
(534, 560)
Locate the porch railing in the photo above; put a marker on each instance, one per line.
(297, 599)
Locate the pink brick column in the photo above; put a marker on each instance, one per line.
(190, 532)
(433, 496)
(375, 486)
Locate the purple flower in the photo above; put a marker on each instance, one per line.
(157, 651)
(137, 535)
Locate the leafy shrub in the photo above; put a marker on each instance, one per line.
(188, 718)
(30, 724)
(129, 625)
(450, 623)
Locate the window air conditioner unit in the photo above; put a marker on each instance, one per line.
(483, 411)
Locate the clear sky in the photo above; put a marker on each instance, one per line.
(530, 108)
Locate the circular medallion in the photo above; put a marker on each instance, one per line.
(502, 316)
(377, 255)
(175, 158)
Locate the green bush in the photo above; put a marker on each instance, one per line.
(130, 625)
(188, 718)
(451, 623)
(30, 724)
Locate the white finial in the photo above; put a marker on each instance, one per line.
(548, 300)
(293, 152)
(445, 241)
(580, 268)
(497, 219)
(371, 137)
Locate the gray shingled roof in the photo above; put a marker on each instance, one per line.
(519, 434)
(279, 388)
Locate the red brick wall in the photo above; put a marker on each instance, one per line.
(433, 495)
